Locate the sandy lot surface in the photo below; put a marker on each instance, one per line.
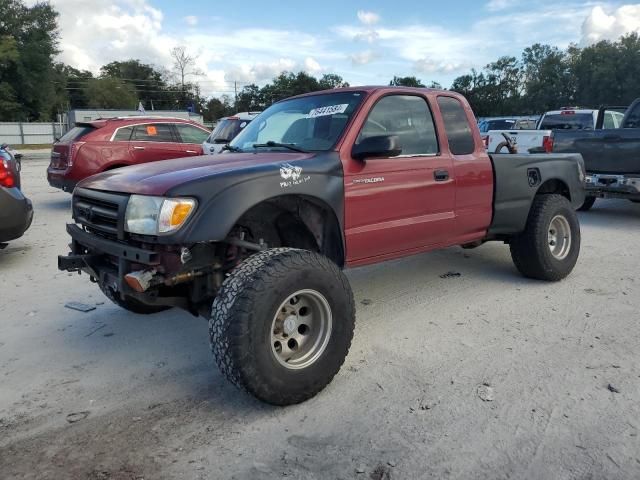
(111, 395)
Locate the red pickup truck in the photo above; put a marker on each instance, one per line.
(255, 239)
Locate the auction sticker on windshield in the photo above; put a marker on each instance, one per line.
(328, 110)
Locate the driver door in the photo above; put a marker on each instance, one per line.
(402, 203)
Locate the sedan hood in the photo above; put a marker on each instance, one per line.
(157, 178)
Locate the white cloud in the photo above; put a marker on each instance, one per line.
(426, 65)
(311, 65)
(363, 58)
(368, 18)
(600, 25)
(191, 20)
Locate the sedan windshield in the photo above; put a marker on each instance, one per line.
(313, 123)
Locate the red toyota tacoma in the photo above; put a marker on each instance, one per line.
(255, 239)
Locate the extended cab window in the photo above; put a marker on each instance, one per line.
(457, 126)
(152, 132)
(191, 134)
(406, 116)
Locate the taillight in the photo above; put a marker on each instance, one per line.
(73, 152)
(547, 143)
(6, 176)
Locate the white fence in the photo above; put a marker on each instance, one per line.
(26, 133)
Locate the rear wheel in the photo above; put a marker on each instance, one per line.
(548, 249)
(131, 304)
(588, 203)
(282, 324)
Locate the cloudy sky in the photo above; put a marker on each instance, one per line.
(365, 42)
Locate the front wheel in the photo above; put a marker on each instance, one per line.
(282, 324)
(548, 248)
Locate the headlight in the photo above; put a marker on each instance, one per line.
(157, 215)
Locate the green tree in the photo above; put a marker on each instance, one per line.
(331, 80)
(27, 69)
(406, 82)
(216, 108)
(547, 78)
(70, 84)
(249, 99)
(108, 92)
(148, 82)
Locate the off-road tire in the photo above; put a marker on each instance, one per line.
(530, 250)
(240, 326)
(588, 203)
(131, 304)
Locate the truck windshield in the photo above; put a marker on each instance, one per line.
(313, 123)
(567, 121)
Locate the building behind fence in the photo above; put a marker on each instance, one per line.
(43, 133)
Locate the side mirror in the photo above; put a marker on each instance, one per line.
(379, 146)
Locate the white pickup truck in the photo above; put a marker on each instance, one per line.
(564, 119)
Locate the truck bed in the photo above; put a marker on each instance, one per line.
(519, 177)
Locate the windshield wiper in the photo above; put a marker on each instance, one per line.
(271, 143)
(231, 148)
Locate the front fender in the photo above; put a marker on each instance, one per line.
(225, 197)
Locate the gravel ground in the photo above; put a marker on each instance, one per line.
(484, 375)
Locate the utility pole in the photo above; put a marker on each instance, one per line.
(235, 89)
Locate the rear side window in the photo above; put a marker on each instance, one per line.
(457, 126)
(407, 117)
(76, 133)
(123, 134)
(152, 132)
(191, 134)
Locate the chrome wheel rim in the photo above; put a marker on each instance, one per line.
(559, 237)
(301, 329)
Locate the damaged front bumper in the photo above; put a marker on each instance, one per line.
(187, 277)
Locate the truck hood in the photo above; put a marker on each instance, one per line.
(157, 178)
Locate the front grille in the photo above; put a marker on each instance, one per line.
(99, 212)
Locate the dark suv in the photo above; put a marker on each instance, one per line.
(105, 144)
(16, 211)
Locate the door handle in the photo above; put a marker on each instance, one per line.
(191, 151)
(138, 148)
(612, 138)
(441, 175)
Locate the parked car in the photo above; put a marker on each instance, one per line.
(255, 240)
(105, 144)
(226, 130)
(570, 118)
(611, 155)
(16, 211)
